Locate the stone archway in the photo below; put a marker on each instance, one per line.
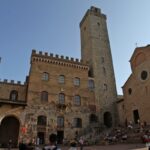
(107, 119)
(9, 130)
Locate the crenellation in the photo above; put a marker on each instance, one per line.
(72, 59)
(11, 81)
(51, 55)
(27, 79)
(40, 53)
(62, 57)
(57, 56)
(18, 82)
(95, 9)
(33, 51)
(46, 54)
(5, 80)
(67, 58)
(104, 16)
(77, 60)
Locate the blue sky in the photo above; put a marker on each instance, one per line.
(53, 26)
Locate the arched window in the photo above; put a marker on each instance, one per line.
(41, 120)
(61, 98)
(77, 100)
(61, 79)
(77, 81)
(44, 96)
(129, 91)
(14, 95)
(60, 121)
(77, 122)
(45, 76)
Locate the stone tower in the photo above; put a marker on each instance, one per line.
(95, 48)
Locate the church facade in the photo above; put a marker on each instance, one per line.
(67, 96)
(136, 88)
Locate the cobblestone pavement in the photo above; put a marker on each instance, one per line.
(108, 147)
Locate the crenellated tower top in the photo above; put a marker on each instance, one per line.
(6, 81)
(93, 11)
(39, 56)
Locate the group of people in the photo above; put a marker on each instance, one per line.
(24, 146)
(74, 143)
(52, 144)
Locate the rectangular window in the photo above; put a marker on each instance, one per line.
(61, 79)
(45, 76)
(77, 100)
(77, 81)
(44, 96)
(61, 98)
(77, 123)
(91, 84)
(60, 121)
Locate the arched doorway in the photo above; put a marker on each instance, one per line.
(41, 129)
(93, 118)
(107, 119)
(9, 130)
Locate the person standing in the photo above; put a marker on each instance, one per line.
(52, 143)
(81, 142)
(73, 145)
(22, 145)
(9, 144)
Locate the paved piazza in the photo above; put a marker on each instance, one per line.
(114, 147)
(108, 147)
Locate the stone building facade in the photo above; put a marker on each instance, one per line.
(136, 89)
(63, 95)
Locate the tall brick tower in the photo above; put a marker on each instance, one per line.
(95, 48)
